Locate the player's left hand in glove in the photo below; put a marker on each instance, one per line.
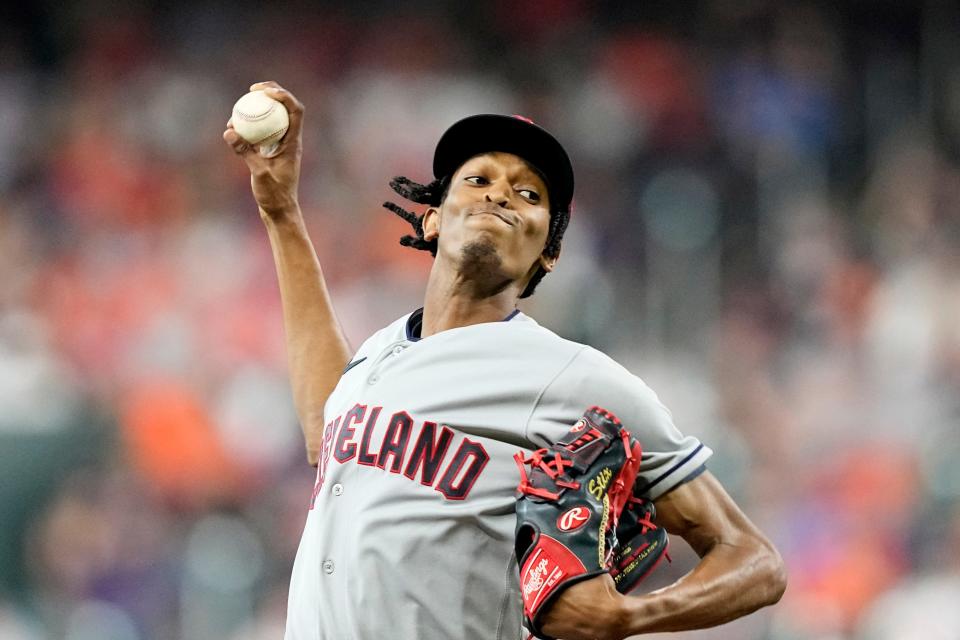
(568, 509)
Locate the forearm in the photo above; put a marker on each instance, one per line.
(729, 582)
(317, 350)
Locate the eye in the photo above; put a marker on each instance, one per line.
(479, 180)
(529, 194)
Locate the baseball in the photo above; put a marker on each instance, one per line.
(260, 120)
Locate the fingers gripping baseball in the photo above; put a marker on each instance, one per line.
(274, 179)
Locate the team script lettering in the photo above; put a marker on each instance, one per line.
(419, 451)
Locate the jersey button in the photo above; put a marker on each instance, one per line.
(337, 489)
(373, 380)
(328, 566)
(397, 351)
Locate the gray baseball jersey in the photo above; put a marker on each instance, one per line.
(411, 523)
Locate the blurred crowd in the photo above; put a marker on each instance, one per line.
(766, 229)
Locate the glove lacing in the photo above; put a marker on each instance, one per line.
(646, 524)
(555, 467)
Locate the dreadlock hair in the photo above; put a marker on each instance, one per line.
(429, 194)
(433, 194)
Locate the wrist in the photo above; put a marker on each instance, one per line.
(646, 613)
(621, 618)
(284, 214)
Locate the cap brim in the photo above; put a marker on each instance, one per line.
(493, 132)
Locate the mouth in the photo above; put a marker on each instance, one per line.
(493, 210)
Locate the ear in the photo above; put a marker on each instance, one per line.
(547, 262)
(431, 224)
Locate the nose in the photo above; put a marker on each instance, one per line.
(497, 194)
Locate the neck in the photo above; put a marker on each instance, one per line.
(452, 301)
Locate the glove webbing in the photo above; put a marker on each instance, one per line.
(556, 469)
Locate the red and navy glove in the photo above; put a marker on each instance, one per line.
(570, 500)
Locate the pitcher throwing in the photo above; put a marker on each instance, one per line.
(410, 531)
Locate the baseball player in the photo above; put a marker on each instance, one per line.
(410, 528)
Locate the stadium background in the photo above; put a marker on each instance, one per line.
(766, 229)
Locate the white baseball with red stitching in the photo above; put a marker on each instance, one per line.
(260, 120)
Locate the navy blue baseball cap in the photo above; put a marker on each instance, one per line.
(510, 134)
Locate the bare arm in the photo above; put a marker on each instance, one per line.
(317, 350)
(739, 572)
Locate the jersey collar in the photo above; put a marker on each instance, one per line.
(415, 323)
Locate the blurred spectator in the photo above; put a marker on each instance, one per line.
(924, 606)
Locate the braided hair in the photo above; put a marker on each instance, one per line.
(433, 194)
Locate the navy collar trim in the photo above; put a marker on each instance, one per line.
(511, 315)
(415, 323)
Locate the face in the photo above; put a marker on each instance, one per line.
(497, 214)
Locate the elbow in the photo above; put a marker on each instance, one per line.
(779, 581)
(775, 575)
(764, 576)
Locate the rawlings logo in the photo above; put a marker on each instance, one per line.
(599, 483)
(573, 519)
(579, 426)
(535, 578)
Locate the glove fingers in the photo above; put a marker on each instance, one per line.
(637, 558)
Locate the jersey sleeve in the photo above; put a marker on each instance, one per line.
(593, 378)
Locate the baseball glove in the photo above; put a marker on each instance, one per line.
(641, 545)
(569, 506)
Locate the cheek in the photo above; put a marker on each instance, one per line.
(457, 197)
(530, 244)
(539, 227)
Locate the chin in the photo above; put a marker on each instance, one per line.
(483, 248)
(481, 262)
(481, 257)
